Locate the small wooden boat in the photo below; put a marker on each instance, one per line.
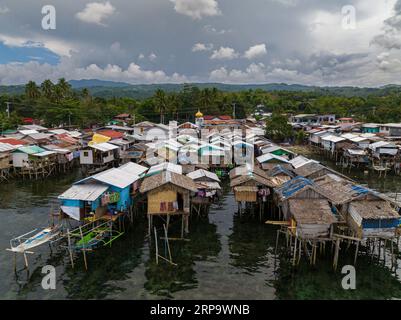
(22, 244)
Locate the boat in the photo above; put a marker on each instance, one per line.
(22, 244)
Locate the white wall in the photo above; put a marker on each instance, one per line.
(86, 159)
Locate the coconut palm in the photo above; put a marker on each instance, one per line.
(47, 88)
(64, 89)
(160, 99)
(31, 90)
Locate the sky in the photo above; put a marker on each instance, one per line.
(310, 42)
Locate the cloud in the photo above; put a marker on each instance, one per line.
(287, 3)
(4, 9)
(390, 38)
(224, 53)
(96, 12)
(20, 73)
(256, 51)
(202, 47)
(196, 9)
(152, 57)
(57, 46)
(253, 73)
(210, 29)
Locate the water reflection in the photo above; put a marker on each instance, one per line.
(164, 279)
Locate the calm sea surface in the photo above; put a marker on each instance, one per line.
(225, 257)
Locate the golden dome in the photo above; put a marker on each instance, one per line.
(199, 114)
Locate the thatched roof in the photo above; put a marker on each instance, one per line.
(165, 177)
(374, 209)
(313, 167)
(311, 211)
(251, 177)
(309, 169)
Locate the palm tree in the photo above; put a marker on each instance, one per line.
(31, 90)
(64, 88)
(85, 93)
(161, 103)
(47, 88)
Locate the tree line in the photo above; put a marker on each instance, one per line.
(59, 104)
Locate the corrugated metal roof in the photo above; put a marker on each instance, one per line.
(269, 156)
(84, 192)
(300, 161)
(118, 177)
(104, 146)
(31, 149)
(133, 168)
(203, 173)
(6, 147)
(40, 136)
(28, 132)
(333, 138)
(44, 153)
(165, 166)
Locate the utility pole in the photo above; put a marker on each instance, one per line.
(234, 110)
(8, 108)
(69, 119)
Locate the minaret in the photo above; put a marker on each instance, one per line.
(199, 119)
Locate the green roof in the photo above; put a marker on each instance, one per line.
(10, 131)
(30, 149)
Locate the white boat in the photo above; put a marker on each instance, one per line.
(36, 240)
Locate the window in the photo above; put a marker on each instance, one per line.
(86, 154)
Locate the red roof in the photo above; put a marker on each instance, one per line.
(123, 115)
(218, 117)
(27, 120)
(111, 133)
(12, 141)
(66, 138)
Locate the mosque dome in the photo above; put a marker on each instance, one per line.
(199, 114)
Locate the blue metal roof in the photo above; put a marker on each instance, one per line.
(291, 187)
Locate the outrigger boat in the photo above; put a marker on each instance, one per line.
(23, 244)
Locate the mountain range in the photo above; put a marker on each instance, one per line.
(109, 89)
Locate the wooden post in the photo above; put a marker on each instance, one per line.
(182, 226)
(335, 262)
(295, 251)
(26, 260)
(69, 247)
(277, 237)
(356, 252)
(157, 247)
(84, 248)
(299, 252)
(168, 244)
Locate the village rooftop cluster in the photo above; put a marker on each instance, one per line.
(313, 204)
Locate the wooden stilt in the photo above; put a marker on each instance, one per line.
(356, 252)
(277, 237)
(84, 248)
(69, 247)
(295, 251)
(337, 249)
(157, 247)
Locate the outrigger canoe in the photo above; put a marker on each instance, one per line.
(36, 240)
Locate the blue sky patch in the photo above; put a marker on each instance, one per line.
(25, 54)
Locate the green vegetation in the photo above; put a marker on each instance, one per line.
(278, 128)
(59, 103)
